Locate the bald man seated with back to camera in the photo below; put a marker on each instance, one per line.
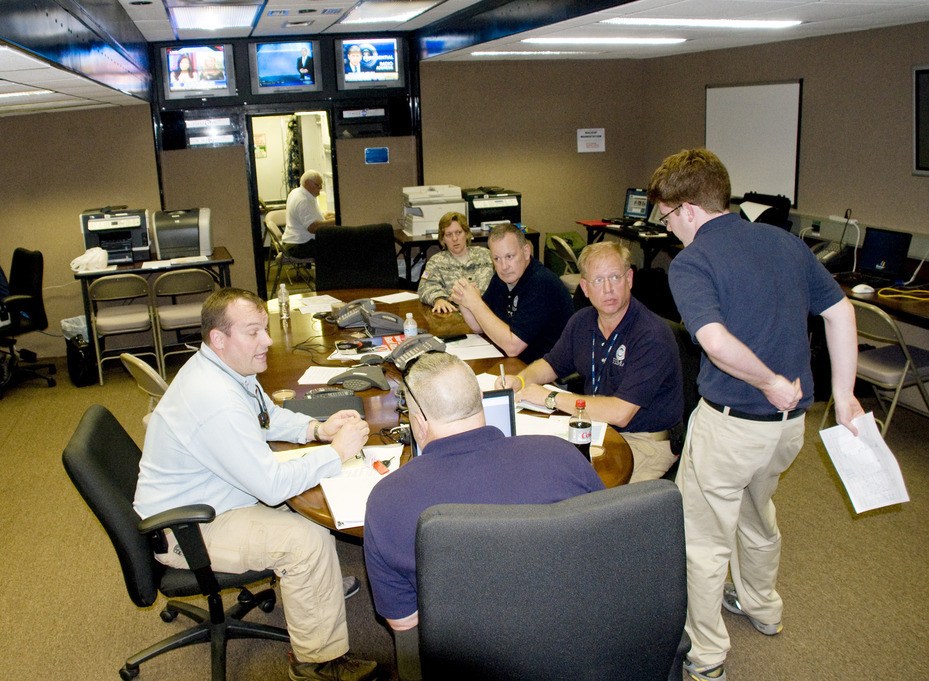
(463, 461)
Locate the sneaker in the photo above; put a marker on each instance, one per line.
(714, 672)
(731, 603)
(350, 586)
(345, 668)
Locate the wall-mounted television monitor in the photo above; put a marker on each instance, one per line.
(278, 67)
(364, 63)
(195, 71)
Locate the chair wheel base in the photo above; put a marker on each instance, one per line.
(128, 673)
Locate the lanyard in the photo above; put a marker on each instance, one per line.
(595, 376)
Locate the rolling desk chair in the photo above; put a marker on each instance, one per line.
(25, 313)
(103, 463)
(356, 257)
(575, 590)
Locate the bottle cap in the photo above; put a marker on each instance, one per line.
(580, 404)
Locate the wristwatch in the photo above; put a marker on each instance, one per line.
(550, 400)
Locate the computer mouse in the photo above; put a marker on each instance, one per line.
(863, 289)
(638, 223)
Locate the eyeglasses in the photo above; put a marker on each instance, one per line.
(614, 279)
(405, 374)
(264, 419)
(663, 220)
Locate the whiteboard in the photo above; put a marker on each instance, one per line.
(755, 131)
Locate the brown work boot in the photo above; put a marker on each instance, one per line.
(345, 668)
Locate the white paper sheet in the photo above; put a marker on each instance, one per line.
(320, 375)
(865, 464)
(347, 493)
(401, 297)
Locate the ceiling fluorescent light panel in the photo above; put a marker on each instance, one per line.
(702, 23)
(387, 11)
(213, 17)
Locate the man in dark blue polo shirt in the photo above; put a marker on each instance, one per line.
(463, 461)
(627, 356)
(525, 307)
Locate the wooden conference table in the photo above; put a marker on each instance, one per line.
(306, 341)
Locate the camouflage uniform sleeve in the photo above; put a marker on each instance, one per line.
(481, 268)
(439, 275)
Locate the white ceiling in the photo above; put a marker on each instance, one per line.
(20, 72)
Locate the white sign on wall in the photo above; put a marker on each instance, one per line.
(590, 140)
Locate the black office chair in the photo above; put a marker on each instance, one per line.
(356, 257)
(593, 587)
(689, 353)
(103, 462)
(25, 312)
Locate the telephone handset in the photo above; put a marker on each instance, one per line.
(350, 316)
(413, 347)
(827, 251)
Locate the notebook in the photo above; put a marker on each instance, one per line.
(499, 411)
(882, 257)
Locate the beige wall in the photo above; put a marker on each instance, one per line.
(53, 167)
(510, 124)
(514, 124)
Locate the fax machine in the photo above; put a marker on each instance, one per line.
(122, 233)
(424, 206)
(488, 206)
(182, 233)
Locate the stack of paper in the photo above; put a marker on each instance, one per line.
(347, 493)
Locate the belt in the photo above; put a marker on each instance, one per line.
(779, 416)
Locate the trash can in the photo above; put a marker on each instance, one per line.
(82, 363)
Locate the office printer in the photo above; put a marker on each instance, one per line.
(488, 206)
(122, 233)
(182, 233)
(424, 206)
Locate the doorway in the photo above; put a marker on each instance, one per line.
(286, 145)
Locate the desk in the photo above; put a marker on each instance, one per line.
(651, 245)
(415, 249)
(286, 365)
(217, 264)
(915, 312)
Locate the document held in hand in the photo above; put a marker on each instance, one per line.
(865, 464)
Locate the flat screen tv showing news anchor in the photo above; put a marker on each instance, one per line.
(367, 63)
(197, 71)
(278, 67)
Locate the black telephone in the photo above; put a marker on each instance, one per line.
(350, 316)
(832, 254)
(361, 378)
(413, 347)
(380, 323)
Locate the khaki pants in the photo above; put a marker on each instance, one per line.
(651, 457)
(302, 555)
(729, 471)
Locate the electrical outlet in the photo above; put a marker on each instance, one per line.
(815, 227)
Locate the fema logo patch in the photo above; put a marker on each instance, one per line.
(620, 357)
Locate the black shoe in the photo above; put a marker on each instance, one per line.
(345, 668)
(350, 586)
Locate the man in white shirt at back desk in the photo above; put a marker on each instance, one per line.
(304, 217)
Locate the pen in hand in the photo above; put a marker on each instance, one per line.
(502, 377)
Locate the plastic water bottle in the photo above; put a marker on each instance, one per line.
(283, 302)
(410, 328)
(579, 428)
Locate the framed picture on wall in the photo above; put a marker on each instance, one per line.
(921, 120)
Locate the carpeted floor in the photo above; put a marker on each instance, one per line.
(856, 588)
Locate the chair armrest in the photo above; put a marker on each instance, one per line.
(184, 515)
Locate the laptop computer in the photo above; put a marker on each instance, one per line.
(499, 411)
(882, 258)
(636, 208)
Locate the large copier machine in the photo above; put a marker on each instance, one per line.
(424, 206)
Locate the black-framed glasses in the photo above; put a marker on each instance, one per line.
(405, 374)
(264, 418)
(663, 220)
